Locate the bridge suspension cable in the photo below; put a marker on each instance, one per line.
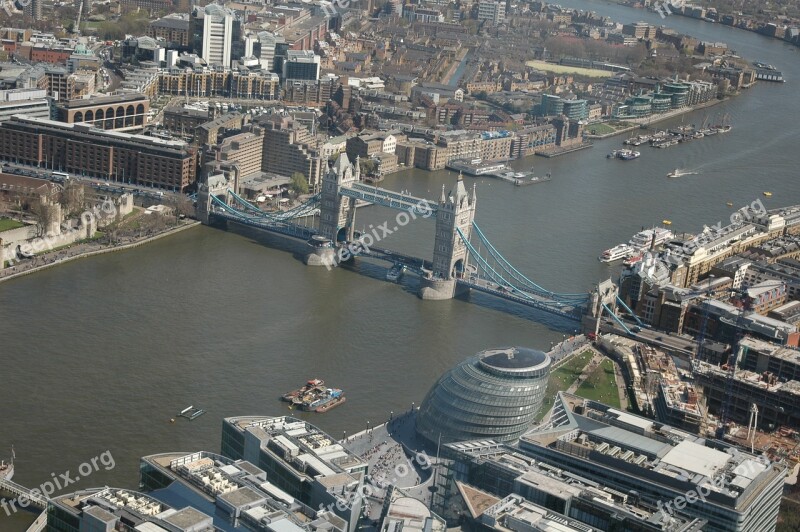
(496, 277)
(518, 276)
(304, 209)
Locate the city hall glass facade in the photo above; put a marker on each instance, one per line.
(495, 394)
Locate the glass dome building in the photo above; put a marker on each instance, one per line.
(495, 394)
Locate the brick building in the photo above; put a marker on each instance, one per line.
(86, 150)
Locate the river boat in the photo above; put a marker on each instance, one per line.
(302, 391)
(312, 402)
(650, 237)
(395, 273)
(616, 253)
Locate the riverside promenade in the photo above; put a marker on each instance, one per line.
(82, 250)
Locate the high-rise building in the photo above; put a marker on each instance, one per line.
(214, 29)
(33, 9)
(492, 11)
(266, 50)
(302, 65)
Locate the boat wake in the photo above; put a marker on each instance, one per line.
(680, 173)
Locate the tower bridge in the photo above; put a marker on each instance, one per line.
(463, 257)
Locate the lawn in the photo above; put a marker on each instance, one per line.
(562, 377)
(563, 69)
(7, 224)
(601, 385)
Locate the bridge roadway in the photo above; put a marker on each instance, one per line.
(283, 228)
(391, 199)
(415, 264)
(570, 312)
(18, 490)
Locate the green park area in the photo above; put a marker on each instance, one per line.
(562, 377)
(7, 224)
(564, 69)
(601, 385)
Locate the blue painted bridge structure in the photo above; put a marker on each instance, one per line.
(464, 258)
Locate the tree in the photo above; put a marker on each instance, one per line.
(45, 214)
(72, 198)
(299, 184)
(367, 166)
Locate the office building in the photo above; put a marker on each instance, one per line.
(120, 111)
(86, 150)
(195, 492)
(495, 394)
(213, 30)
(368, 144)
(301, 65)
(237, 494)
(300, 460)
(660, 464)
(499, 487)
(107, 509)
(209, 132)
(29, 102)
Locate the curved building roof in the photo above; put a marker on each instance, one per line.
(495, 394)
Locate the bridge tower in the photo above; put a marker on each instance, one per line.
(337, 213)
(215, 185)
(456, 212)
(604, 294)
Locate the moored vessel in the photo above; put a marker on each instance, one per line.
(313, 402)
(302, 391)
(633, 259)
(6, 470)
(395, 273)
(650, 237)
(616, 253)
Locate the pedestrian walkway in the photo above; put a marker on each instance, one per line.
(83, 249)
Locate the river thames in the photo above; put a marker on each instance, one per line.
(99, 354)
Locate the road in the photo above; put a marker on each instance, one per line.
(681, 344)
(94, 182)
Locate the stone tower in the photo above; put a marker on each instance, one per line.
(337, 213)
(456, 212)
(215, 185)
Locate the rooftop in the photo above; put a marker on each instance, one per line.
(587, 430)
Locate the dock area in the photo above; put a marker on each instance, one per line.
(478, 168)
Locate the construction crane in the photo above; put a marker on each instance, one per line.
(701, 334)
(733, 358)
(77, 29)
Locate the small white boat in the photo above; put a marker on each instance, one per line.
(679, 173)
(616, 253)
